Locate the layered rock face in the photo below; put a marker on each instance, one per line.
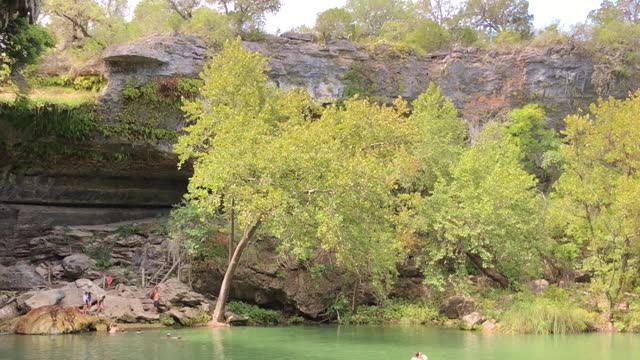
(477, 80)
(39, 194)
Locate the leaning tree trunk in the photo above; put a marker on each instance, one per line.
(218, 312)
(490, 272)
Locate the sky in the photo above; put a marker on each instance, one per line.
(545, 12)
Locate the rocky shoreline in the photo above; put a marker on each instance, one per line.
(58, 308)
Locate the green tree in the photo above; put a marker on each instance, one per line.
(488, 217)
(428, 36)
(495, 16)
(247, 14)
(79, 17)
(539, 145)
(24, 44)
(620, 10)
(336, 23)
(314, 183)
(83, 28)
(440, 137)
(184, 8)
(211, 26)
(155, 16)
(439, 11)
(596, 204)
(371, 15)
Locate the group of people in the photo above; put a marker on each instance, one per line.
(88, 303)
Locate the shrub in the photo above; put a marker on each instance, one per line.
(256, 315)
(101, 253)
(211, 25)
(429, 36)
(509, 37)
(551, 36)
(464, 35)
(167, 320)
(395, 311)
(129, 229)
(27, 42)
(335, 23)
(295, 320)
(551, 314)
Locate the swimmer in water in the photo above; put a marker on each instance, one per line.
(419, 356)
(168, 336)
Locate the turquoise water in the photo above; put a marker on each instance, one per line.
(320, 342)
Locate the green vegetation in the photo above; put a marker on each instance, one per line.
(167, 320)
(596, 198)
(395, 311)
(358, 80)
(35, 120)
(295, 320)
(553, 313)
(91, 83)
(307, 182)
(129, 229)
(256, 315)
(194, 230)
(363, 183)
(100, 252)
(26, 42)
(502, 204)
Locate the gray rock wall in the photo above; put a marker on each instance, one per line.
(558, 77)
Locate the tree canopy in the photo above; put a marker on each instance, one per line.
(596, 200)
(314, 180)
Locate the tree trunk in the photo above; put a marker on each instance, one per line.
(218, 312)
(490, 272)
(233, 229)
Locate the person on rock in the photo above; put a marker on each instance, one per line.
(155, 296)
(100, 304)
(86, 302)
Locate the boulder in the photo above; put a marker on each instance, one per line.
(185, 316)
(456, 307)
(70, 295)
(54, 320)
(20, 277)
(235, 319)
(76, 264)
(9, 311)
(473, 319)
(538, 286)
(45, 298)
(126, 309)
(489, 325)
(175, 292)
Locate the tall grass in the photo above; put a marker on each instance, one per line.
(543, 316)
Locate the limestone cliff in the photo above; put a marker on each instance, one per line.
(477, 80)
(39, 193)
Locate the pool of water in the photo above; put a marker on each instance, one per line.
(320, 342)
